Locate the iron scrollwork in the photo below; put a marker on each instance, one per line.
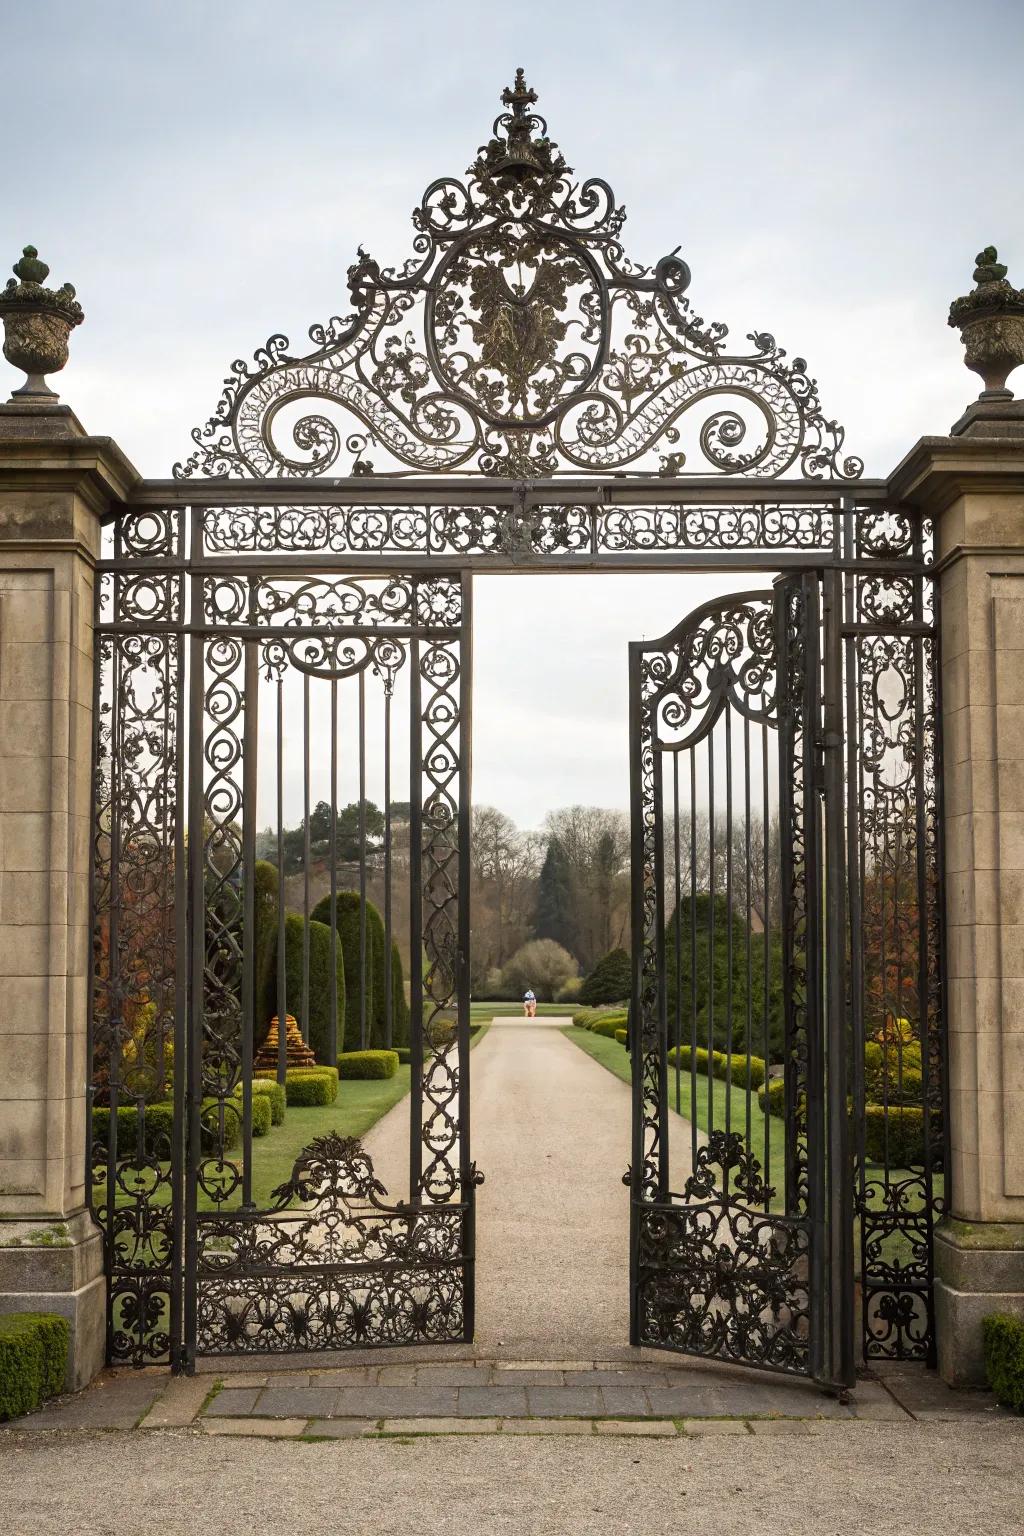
(520, 340)
(330, 1264)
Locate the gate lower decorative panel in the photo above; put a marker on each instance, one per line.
(346, 1270)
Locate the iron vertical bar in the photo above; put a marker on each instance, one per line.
(389, 1024)
(729, 957)
(250, 767)
(678, 936)
(661, 1055)
(197, 916)
(692, 753)
(304, 1025)
(638, 879)
(333, 855)
(466, 1169)
(415, 923)
(282, 954)
(181, 978)
(364, 973)
(841, 1299)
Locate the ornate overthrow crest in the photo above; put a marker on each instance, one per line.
(520, 340)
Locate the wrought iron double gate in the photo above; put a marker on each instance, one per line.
(270, 641)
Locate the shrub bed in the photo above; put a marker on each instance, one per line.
(33, 1360)
(622, 1036)
(404, 1054)
(367, 1065)
(586, 1017)
(1003, 1337)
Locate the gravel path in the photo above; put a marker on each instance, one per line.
(551, 1131)
(871, 1479)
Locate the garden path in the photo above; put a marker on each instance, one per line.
(551, 1132)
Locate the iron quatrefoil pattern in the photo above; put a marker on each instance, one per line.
(520, 340)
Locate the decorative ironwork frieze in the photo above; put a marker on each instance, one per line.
(520, 340)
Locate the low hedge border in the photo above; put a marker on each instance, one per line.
(622, 1036)
(742, 1069)
(33, 1360)
(159, 1135)
(893, 1136)
(364, 1066)
(1003, 1338)
(307, 1087)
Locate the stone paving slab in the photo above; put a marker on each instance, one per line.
(271, 1429)
(353, 1398)
(440, 1426)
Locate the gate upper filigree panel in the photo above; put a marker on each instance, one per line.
(520, 340)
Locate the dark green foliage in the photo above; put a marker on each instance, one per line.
(348, 842)
(894, 1137)
(1003, 1337)
(554, 911)
(610, 981)
(348, 925)
(33, 1360)
(160, 1128)
(722, 993)
(265, 889)
(364, 1065)
(400, 1004)
(319, 981)
(404, 1054)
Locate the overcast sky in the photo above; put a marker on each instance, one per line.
(203, 174)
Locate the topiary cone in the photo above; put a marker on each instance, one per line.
(297, 1052)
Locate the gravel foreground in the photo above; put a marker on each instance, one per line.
(859, 1478)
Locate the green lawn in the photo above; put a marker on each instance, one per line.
(728, 1103)
(359, 1106)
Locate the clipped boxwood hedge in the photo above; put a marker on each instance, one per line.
(159, 1134)
(404, 1054)
(742, 1069)
(308, 1087)
(33, 1360)
(274, 1092)
(262, 1108)
(607, 1027)
(1003, 1337)
(894, 1135)
(622, 1036)
(347, 921)
(364, 1065)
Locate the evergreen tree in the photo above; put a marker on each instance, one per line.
(554, 917)
(610, 981)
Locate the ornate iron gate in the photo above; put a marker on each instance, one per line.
(737, 814)
(518, 394)
(202, 1260)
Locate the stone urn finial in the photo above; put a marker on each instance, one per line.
(37, 324)
(990, 320)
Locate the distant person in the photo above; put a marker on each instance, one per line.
(530, 1004)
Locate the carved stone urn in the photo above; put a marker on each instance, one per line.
(37, 324)
(990, 320)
